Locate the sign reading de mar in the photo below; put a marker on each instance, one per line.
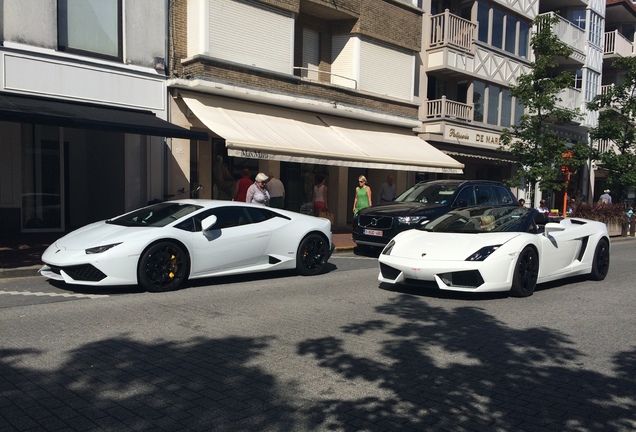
(471, 136)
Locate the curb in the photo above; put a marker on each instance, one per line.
(20, 272)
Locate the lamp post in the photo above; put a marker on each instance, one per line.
(565, 169)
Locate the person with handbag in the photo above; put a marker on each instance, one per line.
(320, 195)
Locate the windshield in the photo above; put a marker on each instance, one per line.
(429, 194)
(481, 219)
(157, 215)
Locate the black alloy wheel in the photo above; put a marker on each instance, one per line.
(163, 267)
(312, 255)
(601, 261)
(524, 279)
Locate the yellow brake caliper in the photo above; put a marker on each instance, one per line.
(173, 261)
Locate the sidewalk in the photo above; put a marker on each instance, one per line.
(20, 253)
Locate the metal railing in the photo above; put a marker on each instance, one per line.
(444, 108)
(449, 29)
(335, 79)
(617, 44)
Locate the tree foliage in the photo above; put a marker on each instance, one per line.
(617, 125)
(535, 141)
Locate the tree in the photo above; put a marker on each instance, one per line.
(617, 125)
(535, 141)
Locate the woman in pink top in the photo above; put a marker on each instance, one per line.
(320, 195)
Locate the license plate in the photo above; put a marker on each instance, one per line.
(377, 233)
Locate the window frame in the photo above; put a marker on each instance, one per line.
(62, 26)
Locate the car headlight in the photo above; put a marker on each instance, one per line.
(388, 247)
(411, 220)
(100, 249)
(483, 253)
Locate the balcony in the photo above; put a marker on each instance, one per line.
(617, 45)
(570, 99)
(448, 109)
(447, 29)
(569, 33)
(313, 74)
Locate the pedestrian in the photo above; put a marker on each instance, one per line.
(522, 202)
(571, 206)
(257, 193)
(388, 191)
(276, 192)
(223, 180)
(363, 195)
(242, 185)
(606, 198)
(319, 202)
(543, 207)
(580, 196)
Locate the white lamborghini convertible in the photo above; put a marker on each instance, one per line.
(160, 246)
(496, 249)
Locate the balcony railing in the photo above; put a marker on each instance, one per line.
(318, 75)
(617, 44)
(449, 29)
(569, 33)
(606, 88)
(444, 108)
(570, 98)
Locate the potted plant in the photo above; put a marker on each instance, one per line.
(612, 215)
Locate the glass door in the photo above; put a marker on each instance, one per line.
(42, 180)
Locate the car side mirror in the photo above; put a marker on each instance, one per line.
(208, 222)
(551, 227)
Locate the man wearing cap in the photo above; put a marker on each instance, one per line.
(276, 192)
(606, 198)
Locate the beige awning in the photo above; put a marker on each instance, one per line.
(262, 131)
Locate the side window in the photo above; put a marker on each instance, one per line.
(484, 195)
(258, 215)
(230, 217)
(227, 217)
(503, 196)
(465, 197)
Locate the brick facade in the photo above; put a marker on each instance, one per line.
(379, 19)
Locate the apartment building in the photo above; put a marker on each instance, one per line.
(301, 88)
(620, 26)
(475, 50)
(83, 110)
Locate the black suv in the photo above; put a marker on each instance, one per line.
(375, 226)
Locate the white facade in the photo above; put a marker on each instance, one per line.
(56, 177)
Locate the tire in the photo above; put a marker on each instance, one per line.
(524, 279)
(163, 267)
(312, 255)
(601, 261)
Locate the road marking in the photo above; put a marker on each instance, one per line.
(352, 257)
(43, 294)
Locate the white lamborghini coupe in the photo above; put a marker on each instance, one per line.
(161, 246)
(487, 249)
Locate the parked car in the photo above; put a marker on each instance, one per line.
(161, 246)
(486, 249)
(375, 226)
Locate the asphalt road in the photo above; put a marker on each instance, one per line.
(331, 352)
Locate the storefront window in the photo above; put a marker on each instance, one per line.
(42, 181)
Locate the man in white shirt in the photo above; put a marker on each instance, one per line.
(606, 198)
(388, 191)
(276, 192)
